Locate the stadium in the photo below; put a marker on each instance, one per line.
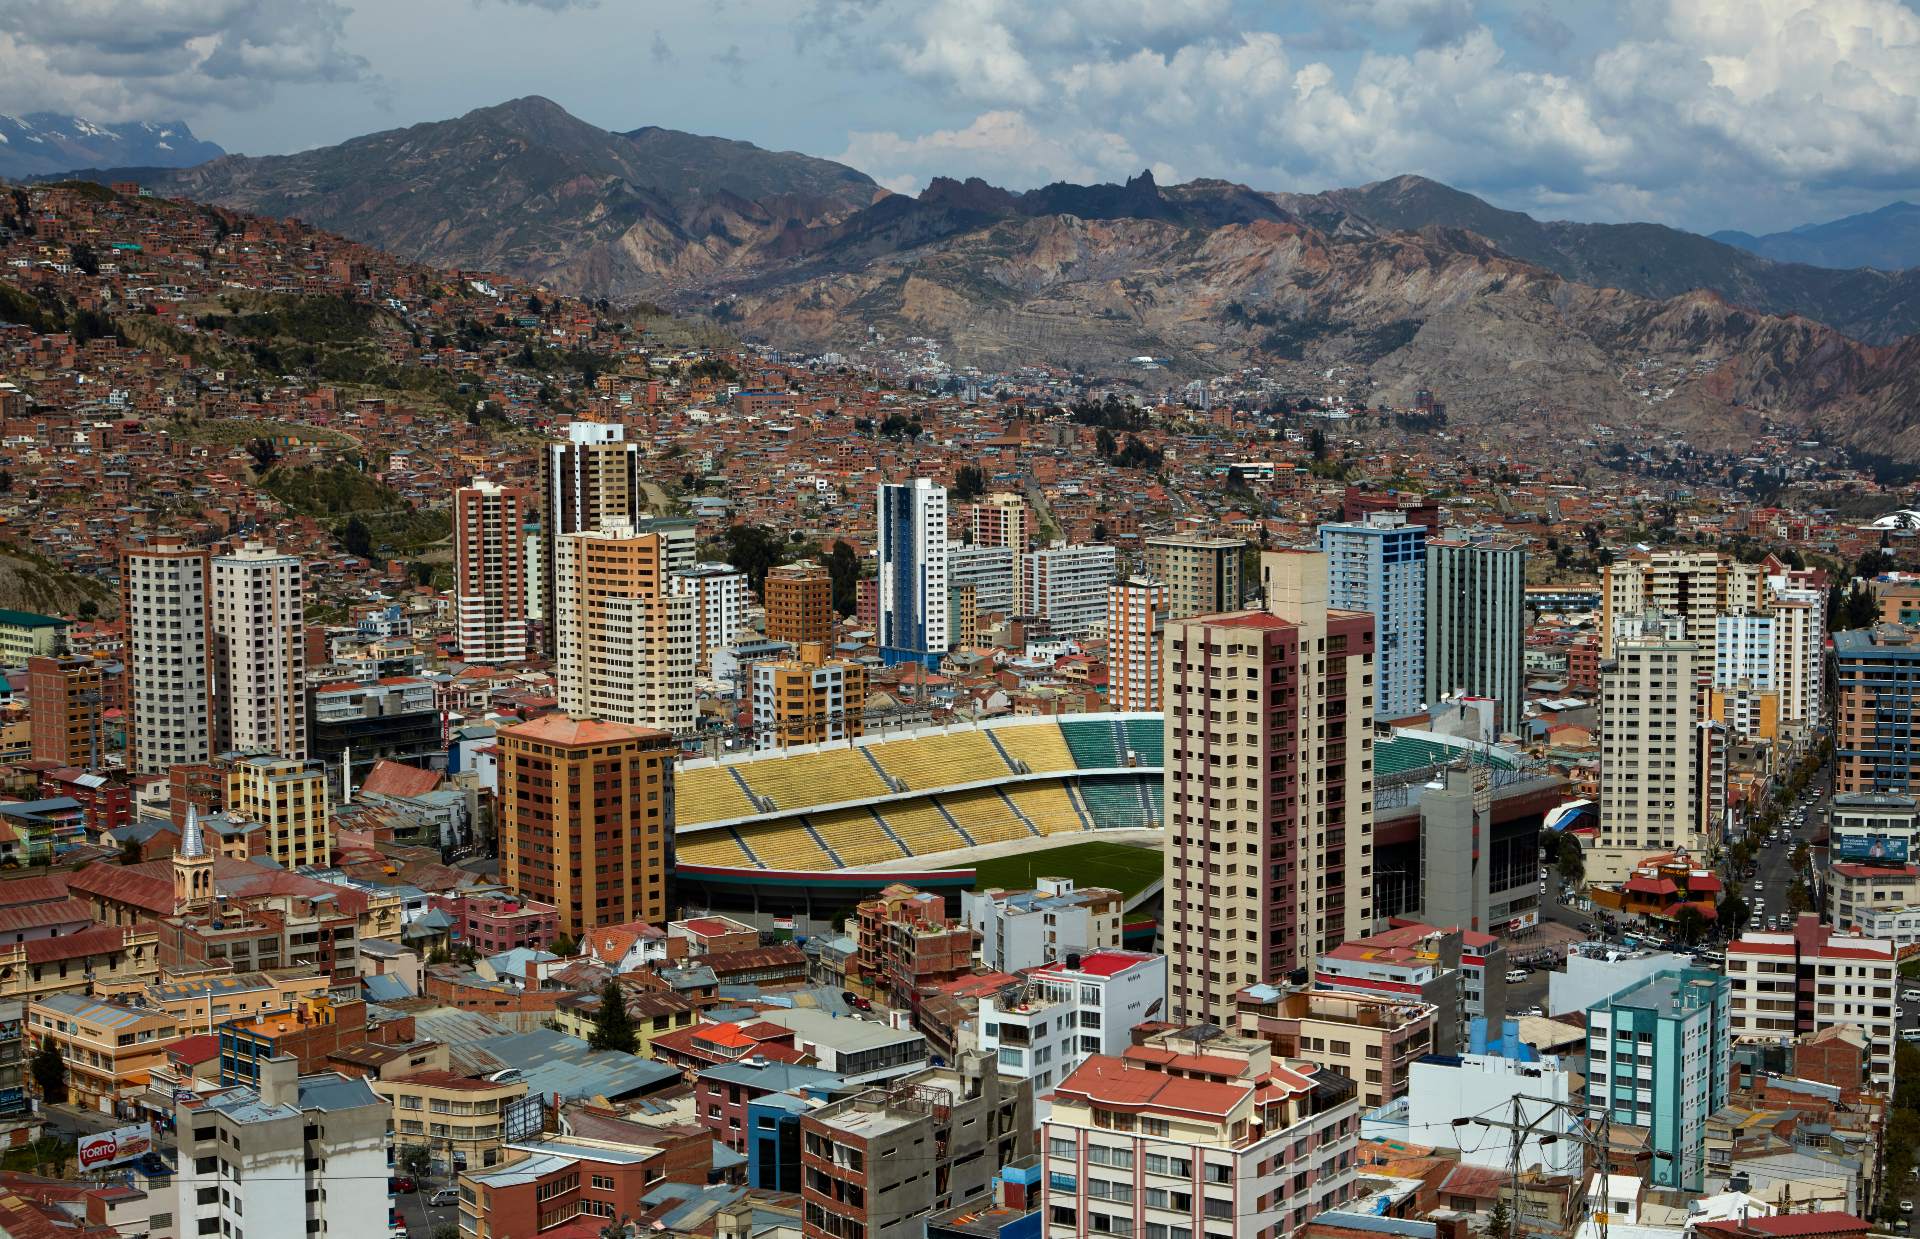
(809, 832)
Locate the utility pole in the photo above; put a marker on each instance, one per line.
(1598, 1138)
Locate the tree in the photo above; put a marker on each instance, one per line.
(613, 1027)
(753, 549)
(49, 1072)
(1103, 443)
(843, 565)
(1317, 443)
(1798, 900)
(1499, 1218)
(1572, 864)
(264, 453)
(1099, 531)
(446, 1230)
(88, 609)
(357, 538)
(1689, 924)
(130, 851)
(1802, 857)
(84, 258)
(969, 484)
(1734, 914)
(564, 945)
(413, 1159)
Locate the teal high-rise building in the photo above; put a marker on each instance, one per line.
(1657, 1056)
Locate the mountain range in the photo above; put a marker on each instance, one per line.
(42, 143)
(1888, 239)
(1634, 325)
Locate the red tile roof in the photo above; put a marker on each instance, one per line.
(77, 946)
(1115, 1085)
(392, 778)
(563, 730)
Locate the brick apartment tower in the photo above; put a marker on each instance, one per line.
(64, 697)
(589, 479)
(586, 819)
(164, 599)
(490, 571)
(625, 641)
(800, 604)
(1136, 612)
(1269, 762)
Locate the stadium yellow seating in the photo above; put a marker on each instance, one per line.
(854, 837)
(708, 794)
(942, 760)
(1047, 807)
(797, 780)
(785, 845)
(711, 847)
(986, 817)
(922, 827)
(1040, 745)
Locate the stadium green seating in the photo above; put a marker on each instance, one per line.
(1093, 743)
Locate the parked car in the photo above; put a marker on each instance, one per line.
(1910, 1034)
(1516, 975)
(445, 1196)
(1910, 995)
(402, 1183)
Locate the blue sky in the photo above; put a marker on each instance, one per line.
(1708, 114)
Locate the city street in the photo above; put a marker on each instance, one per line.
(422, 1221)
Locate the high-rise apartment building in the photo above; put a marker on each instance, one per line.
(1875, 672)
(1380, 566)
(913, 572)
(64, 698)
(1657, 1056)
(1799, 615)
(590, 477)
(807, 699)
(1269, 766)
(1002, 521)
(1662, 762)
(800, 604)
(1697, 587)
(1136, 613)
(259, 652)
(288, 798)
(1067, 585)
(1202, 575)
(293, 1155)
(1811, 977)
(1477, 622)
(1256, 1147)
(720, 597)
(625, 640)
(990, 572)
(490, 570)
(586, 819)
(165, 596)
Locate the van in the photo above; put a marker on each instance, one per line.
(1516, 975)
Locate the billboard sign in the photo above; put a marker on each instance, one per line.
(1871, 846)
(110, 1148)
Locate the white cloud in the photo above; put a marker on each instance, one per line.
(1697, 102)
(1003, 146)
(129, 58)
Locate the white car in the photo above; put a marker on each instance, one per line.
(1910, 995)
(1910, 1034)
(1516, 975)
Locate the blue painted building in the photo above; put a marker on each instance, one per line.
(1380, 566)
(913, 571)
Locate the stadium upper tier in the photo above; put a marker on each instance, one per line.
(845, 807)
